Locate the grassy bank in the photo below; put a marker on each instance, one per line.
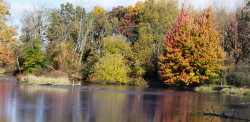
(43, 80)
(2, 70)
(224, 90)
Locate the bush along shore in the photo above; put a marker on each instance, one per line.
(49, 78)
(130, 45)
(230, 90)
(43, 80)
(44, 77)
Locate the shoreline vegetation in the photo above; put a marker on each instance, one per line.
(44, 80)
(34, 79)
(43, 77)
(65, 81)
(155, 43)
(229, 90)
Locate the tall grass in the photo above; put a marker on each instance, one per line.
(2, 70)
(208, 89)
(32, 79)
(223, 90)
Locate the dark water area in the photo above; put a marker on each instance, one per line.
(105, 103)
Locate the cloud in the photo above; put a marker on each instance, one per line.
(17, 10)
(228, 5)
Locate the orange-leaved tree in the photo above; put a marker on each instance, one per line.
(193, 50)
(6, 35)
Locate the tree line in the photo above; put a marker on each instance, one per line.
(127, 45)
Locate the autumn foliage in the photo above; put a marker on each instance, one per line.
(130, 44)
(193, 51)
(6, 35)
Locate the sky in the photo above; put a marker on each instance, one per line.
(18, 7)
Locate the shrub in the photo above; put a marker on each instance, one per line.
(139, 81)
(206, 89)
(50, 73)
(225, 90)
(239, 77)
(2, 70)
(111, 68)
(237, 91)
(247, 92)
(117, 45)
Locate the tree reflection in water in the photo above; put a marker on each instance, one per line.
(28, 103)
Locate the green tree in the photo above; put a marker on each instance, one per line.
(67, 33)
(33, 36)
(117, 45)
(193, 51)
(33, 58)
(156, 19)
(111, 68)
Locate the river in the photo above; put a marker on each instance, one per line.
(106, 103)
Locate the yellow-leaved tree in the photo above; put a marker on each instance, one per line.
(98, 10)
(6, 34)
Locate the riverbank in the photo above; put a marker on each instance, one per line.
(65, 81)
(230, 90)
(44, 80)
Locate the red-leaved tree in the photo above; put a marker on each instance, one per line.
(193, 50)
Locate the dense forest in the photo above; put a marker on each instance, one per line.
(155, 40)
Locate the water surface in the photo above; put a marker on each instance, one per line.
(102, 103)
